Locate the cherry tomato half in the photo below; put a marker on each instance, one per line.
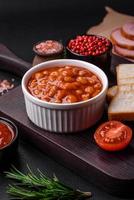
(113, 136)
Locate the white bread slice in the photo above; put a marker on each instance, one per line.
(125, 74)
(122, 106)
(112, 91)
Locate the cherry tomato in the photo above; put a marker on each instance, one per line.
(113, 136)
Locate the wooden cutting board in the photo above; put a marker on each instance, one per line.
(111, 21)
(113, 172)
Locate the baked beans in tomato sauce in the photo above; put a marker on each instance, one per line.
(64, 84)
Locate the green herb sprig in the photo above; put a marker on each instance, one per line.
(29, 186)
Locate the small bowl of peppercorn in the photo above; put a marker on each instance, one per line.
(91, 48)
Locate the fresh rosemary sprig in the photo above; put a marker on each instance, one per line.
(29, 186)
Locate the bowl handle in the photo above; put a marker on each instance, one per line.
(11, 63)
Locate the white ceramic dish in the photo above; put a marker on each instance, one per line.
(60, 118)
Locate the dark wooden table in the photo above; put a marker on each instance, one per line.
(36, 159)
(21, 26)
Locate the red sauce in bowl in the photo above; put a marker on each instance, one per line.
(64, 84)
(6, 134)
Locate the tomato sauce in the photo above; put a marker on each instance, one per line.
(64, 84)
(6, 134)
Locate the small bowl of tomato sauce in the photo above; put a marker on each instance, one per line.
(8, 137)
(95, 49)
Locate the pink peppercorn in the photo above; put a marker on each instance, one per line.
(89, 45)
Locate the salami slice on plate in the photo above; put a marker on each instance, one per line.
(124, 52)
(128, 30)
(118, 39)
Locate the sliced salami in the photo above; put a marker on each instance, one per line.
(124, 52)
(118, 39)
(128, 30)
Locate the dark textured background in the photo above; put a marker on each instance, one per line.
(22, 23)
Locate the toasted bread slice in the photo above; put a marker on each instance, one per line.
(112, 91)
(122, 106)
(125, 74)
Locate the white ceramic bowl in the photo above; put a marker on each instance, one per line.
(56, 117)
